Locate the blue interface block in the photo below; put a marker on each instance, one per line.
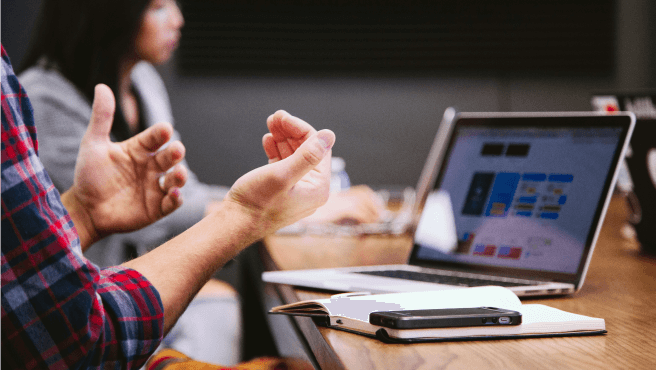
(534, 177)
(561, 178)
(503, 191)
(549, 215)
(529, 200)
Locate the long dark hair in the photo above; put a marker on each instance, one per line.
(85, 40)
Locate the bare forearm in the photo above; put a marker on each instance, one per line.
(181, 266)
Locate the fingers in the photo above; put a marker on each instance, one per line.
(171, 184)
(102, 113)
(288, 132)
(308, 156)
(281, 136)
(170, 156)
(369, 197)
(371, 213)
(283, 126)
(356, 205)
(148, 143)
(270, 148)
(153, 138)
(171, 201)
(364, 213)
(175, 178)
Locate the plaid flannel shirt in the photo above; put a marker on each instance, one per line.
(59, 310)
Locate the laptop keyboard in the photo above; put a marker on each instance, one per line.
(444, 279)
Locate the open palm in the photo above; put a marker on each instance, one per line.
(118, 184)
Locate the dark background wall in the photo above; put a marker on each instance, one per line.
(384, 123)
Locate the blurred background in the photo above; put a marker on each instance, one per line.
(381, 73)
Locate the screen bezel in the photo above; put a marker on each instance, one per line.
(625, 121)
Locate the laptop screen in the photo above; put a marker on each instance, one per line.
(523, 193)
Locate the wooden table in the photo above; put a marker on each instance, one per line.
(620, 287)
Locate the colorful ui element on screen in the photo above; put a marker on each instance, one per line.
(523, 195)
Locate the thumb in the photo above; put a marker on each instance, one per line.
(102, 112)
(308, 156)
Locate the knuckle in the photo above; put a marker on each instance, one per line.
(312, 156)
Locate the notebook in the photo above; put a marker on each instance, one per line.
(527, 194)
(411, 199)
(352, 312)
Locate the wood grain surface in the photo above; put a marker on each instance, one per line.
(620, 287)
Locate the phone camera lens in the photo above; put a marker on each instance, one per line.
(484, 320)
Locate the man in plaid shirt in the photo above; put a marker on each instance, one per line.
(59, 310)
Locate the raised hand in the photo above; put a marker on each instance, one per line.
(117, 185)
(294, 183)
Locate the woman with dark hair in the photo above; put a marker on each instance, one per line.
(91, 42)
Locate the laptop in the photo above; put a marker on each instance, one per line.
(411, 200)
(527, 194)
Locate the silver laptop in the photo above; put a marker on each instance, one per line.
(518, 201)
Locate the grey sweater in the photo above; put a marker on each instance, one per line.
(62, 114)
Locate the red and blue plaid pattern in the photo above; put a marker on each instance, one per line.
(60, 311)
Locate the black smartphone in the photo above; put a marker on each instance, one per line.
(445, 318)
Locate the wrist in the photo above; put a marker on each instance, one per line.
(82, 220)
(247, 222)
